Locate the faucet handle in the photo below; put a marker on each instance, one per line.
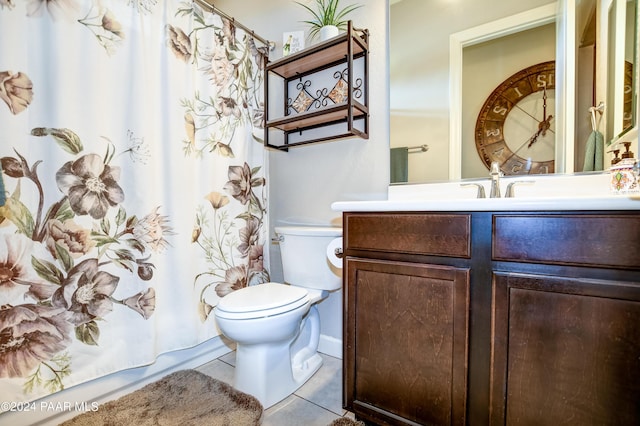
(480, 193)
(510, 193)
(495, 169)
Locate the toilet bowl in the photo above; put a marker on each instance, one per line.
(276, 326)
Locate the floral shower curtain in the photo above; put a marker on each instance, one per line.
(133, 172)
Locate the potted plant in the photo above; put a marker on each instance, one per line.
(327, 19)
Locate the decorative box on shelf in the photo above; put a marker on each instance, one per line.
(320, 93)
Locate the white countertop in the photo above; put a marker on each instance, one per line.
(609, 202)
(536, 193)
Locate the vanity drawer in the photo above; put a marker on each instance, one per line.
(412, 233)
(593, 240)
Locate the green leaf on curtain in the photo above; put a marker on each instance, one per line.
(135, 244)
(102, 240)
(88, 333)
(125, 259)
(47, 270)
(19, 215)
(67, 139)
(63, 211)
(121, 216)
(105, 226)
(64, 257)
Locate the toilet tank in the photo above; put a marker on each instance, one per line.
(304, 256)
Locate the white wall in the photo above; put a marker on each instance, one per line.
(306, 180)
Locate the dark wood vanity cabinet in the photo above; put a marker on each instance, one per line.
(498, 318)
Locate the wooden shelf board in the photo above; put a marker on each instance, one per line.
(316, 56)
(317, 117)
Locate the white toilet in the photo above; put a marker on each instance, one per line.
(276, 327)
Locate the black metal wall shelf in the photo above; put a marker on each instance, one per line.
(329, 113)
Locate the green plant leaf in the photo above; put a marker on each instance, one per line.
(327, 13)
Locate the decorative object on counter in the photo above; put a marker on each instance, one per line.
(327, 20)
(624, 176)
(616, 159)
(292, 42)
(627, 153)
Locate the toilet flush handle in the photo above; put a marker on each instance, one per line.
(338, 252)
(277, 239)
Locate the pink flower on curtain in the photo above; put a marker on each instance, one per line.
(235, 278)
(239, 184)
(151, 230)
(256, 259)
(110, 24)
(220, 69)
(143, 303)
(31, 334)
(104, 26)
(16, 90)
(249, 235)
(91, 185)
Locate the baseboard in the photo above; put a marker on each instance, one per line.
(330, 346)
(61, 406)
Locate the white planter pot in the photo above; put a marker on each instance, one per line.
(328, 31)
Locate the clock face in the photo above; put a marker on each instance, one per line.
(516, 125)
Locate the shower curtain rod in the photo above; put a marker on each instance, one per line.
(212, 8)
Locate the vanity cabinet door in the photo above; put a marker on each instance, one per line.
(406, 342)
(565, 351)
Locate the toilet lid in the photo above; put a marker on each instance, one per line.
(261, 300)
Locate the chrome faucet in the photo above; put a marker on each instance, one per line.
(496, 174)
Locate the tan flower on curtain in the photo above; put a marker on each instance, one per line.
(16, 90)
(179, 43)
(69, 235)
(105, 27)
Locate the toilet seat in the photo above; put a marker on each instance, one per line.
(261, 300)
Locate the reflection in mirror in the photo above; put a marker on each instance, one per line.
(621, 58)
(419, 78)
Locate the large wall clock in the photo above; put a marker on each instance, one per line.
(516, 125)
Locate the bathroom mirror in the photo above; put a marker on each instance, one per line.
(420, 98)
(621, 59)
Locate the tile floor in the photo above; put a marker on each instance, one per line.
(317, 403)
